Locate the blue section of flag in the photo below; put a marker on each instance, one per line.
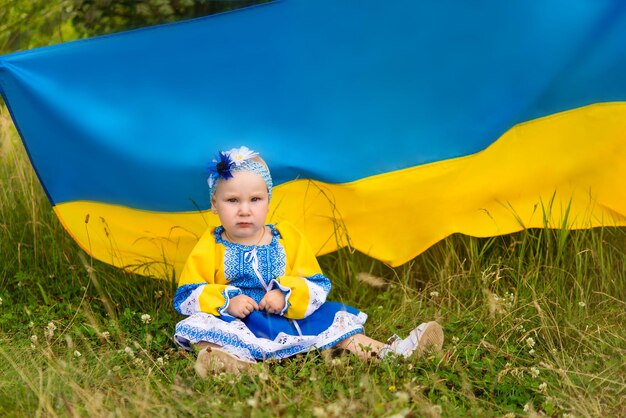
(333, 90)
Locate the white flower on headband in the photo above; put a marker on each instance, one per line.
(241, 154)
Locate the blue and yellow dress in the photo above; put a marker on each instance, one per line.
(218, 270)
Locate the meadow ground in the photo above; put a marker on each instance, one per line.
(534, 325)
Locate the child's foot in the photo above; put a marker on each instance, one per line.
(216, 360)
(428, 337)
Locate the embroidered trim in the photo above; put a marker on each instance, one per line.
(217, 233)
(236, 338)
(228, 293)
(285, 290)
(186, 298)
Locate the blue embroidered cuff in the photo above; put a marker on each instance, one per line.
(184, 302)
(285, 290)
(228, 293)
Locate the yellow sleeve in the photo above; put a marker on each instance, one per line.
(202, 286)
(304, 285)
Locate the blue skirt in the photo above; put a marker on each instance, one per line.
(262, 336)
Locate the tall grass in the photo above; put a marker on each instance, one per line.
(533, 321)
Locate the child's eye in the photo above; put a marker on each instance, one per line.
(232, 200)
(256, 199)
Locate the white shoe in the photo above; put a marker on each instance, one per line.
(426, 337)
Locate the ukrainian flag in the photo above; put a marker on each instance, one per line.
(387, 126)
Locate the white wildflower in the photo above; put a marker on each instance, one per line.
(531, 351)
(77, 353)
(543, 387)
(582, 304)
(146, 319)
(105, 335)
(434, 294)
(138, 361)
(50, 328)
(31, 324)
(511, 299)
(263, 376)
(534, 372)
(252, 402)
(455, 340)
(527, 407)
(129, 351)
(160, 361)
(530, 342)
(34, 339)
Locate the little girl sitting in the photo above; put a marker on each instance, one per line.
(253, 291)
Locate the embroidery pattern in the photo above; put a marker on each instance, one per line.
(235, 337)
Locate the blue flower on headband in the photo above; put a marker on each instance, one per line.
(220, 168)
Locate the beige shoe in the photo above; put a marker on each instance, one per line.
(428, 337)
(213, 360)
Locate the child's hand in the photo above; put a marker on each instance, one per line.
(273, 302)
(241, 306)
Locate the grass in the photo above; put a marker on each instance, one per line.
(534, 323)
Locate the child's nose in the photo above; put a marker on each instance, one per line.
(244, 208)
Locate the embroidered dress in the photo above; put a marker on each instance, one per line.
(218, 270)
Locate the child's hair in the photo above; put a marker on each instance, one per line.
(237, 159)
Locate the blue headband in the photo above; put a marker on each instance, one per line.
(237, 159)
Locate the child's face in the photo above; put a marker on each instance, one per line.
(242, 203)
